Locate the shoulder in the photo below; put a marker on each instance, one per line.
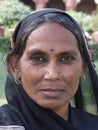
(84, 120)
(4, 117)
(9, 115)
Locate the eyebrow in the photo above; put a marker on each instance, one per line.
(35, 51)
(41, 52)
(69, 52)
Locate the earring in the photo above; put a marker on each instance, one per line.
(82, 78)
(17, 79)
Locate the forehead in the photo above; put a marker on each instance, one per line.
(51, 36)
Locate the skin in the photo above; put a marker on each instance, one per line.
(51, 49)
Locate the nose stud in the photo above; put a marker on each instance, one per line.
(53, 76)
(60, 75)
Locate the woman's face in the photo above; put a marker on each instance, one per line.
(51, 51)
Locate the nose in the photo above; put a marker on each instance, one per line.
(53, 72)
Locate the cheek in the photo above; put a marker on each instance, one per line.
(29, 74)
(72, 76)
(30, 82)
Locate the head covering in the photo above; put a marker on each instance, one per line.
(91, 75)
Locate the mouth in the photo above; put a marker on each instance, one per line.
(52, 93)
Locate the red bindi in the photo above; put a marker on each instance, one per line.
(51, 49)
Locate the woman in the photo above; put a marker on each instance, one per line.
(47, 60)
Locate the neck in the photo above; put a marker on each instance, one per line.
(63, 112)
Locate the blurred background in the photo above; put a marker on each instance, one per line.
(11, 11)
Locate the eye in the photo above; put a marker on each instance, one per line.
(39, 59)
(65, 59)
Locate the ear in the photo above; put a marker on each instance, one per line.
(14, 66)
(11, 42)
(84, 65)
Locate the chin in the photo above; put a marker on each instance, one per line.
(51, 104)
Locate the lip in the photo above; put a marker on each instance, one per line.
(52, 93)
